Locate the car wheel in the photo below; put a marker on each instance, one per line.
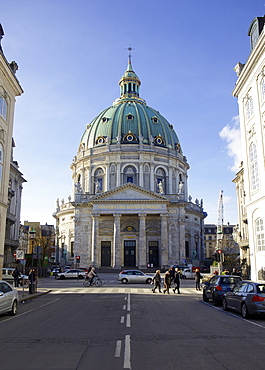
(124, 281)
(148, 281)
(224, 304)
(184, 276)
(244, 311)
(80, 277)
(62, 277)
(13, 309)
(204, 297)
(215, 303)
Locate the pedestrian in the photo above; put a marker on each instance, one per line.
(198, 277)
(172, 274)
(167, 282)
(32, 281)
(234, 271)
(157, 281)
(16, 276)
(177, 280)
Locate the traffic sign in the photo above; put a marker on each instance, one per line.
(20, 255)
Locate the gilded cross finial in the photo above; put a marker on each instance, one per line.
(130, 54)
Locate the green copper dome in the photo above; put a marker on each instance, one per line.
(130, 121)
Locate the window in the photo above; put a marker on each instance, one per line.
(3, 107)
(249, 108)
(254, 171)
(260, 235)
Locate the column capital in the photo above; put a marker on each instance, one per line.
(142, 215)
(116, 214)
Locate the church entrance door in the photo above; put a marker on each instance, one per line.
(153, 253)
(129, 253)
(105, 253)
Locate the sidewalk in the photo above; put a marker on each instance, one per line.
(25, 296)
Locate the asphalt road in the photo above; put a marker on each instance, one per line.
(127, 327)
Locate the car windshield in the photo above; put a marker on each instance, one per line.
(230, 280)
(261, 288)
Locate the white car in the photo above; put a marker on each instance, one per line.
(134, 276)
(71, 274)
(7, 276)
(187, 274)
(8, 299)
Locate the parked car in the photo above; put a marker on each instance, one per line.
(83, 269)
(248, 298)
(7, 276)
(187, 274)
(8, 298)
(134, 276)
(71, 274)
(217, 286)
(55, 271)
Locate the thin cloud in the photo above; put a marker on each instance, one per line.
(231, 134)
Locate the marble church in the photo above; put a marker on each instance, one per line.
(130, 205)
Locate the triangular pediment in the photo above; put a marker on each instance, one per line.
(129, 192)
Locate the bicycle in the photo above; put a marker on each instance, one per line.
(96, 282)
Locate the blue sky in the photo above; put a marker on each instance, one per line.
(71, 55)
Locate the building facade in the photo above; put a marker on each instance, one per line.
(16, 181)
(250, 180)
(9, 89)
(129, 204)
(228, 243)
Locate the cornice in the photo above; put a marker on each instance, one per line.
(253, 59)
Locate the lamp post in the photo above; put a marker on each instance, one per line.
(32, 235)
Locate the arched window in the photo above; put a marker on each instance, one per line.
(254, 170)
(3, 107)
(98, 180)
(249, 108)
(260, 235)
(161, 181)
(1, 163)
(129, 174)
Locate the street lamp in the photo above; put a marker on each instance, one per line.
(32, 235)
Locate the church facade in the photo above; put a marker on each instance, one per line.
(130, 205)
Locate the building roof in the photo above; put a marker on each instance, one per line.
(130, 120)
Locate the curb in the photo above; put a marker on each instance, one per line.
(27, 297)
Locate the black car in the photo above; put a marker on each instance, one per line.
(217, 286)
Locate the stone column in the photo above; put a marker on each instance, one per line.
(141, 175)
(106, 185)
(170, 181)
(142, 242)
(116, 256)
(152, 180)
(94, 247)
(164, 240)
(118, 179)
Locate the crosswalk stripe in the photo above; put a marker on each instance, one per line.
(117, 290)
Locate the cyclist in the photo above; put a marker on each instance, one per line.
(91, 275)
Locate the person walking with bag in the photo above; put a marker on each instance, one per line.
(167, 282)
(157, 281)
(177, 281)
(16, 275)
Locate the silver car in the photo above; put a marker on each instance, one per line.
(7, 276)
(8, 298)
(247, 297)
(71, 274)
(134, 276)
